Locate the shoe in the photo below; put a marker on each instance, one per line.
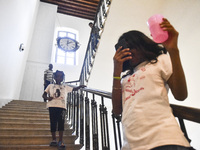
(61, 145)
(53, 143)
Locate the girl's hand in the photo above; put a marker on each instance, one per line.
(77, 88)
(172, 41)
(50, 98)
(83, 86)
(119, 58)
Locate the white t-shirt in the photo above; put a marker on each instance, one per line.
(147, 117)
(59, 94)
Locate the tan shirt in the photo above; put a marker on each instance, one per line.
(59, 94)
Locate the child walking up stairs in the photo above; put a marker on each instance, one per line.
(25, 125)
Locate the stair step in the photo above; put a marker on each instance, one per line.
(25, 106)
(23, 112)
(9, 125)
(39, 147)
(19, 131)
(21, 102)
(32, 139)
(24, 120)
(24, 116)
(25, 109)
(42, 105)
(25, 101)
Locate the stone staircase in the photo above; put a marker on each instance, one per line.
(24, 125)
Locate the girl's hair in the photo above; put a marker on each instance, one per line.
(57, 71)
(139, 41)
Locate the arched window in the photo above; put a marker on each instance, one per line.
(62, 57)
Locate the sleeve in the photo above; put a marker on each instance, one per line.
(68, 89)
(165, 66)
(45, 72)
(48, 88)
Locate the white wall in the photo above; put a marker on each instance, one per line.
(125, 15)
(40, 53)
(42, 45)
(16, 27)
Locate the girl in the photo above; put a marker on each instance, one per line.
(141, 95)
(57, 106)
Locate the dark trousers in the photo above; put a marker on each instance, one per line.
(171, 147)
(57, 118)
(46, 84)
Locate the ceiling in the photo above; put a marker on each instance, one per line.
(79, 8)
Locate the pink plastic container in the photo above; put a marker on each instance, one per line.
(159, 36)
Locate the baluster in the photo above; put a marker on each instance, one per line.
(107, 129)
(108, 2)
(119, 130)
(68, 107)
(184, 129)
(77, 114)
(94, 124)
(73, 111)
(114, 130)
(96, 38)
(82, 77)
(88, 71)
(97, 21)
(86, 65)
(91, 49)
(104, 9)
(81, 119)
(89, 55)
(100, 18)
(104, 126)
(89, 46)
(118, 120)
(87, 122)
(85, 72)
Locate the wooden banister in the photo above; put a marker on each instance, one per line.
(188, 113)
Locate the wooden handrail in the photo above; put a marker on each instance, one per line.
(188, 113)
(183, 112)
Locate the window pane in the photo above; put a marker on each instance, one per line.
(60, 60)
(71, 35)
(70, 61)
(70, 54)
(61, 53)
(62, 34)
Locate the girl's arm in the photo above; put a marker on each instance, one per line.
(77, 88)
(119, 58)
(177, 81)
(46, 97)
